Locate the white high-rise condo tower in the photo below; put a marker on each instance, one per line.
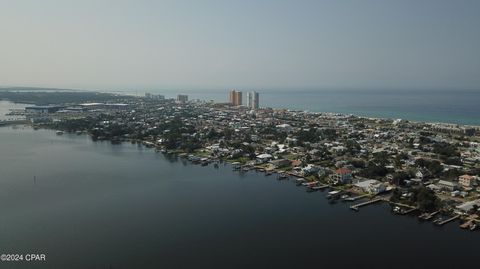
(252, 98)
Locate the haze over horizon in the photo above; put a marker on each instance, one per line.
(243, 44)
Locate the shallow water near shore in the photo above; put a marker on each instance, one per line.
(92, 204)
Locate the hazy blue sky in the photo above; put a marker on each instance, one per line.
(224, 44)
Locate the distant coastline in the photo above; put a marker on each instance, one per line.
(424, 106)
(355, 157)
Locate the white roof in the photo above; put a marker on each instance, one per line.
(264, 156)
(91, 104)
(366, 183)
(468, 205)
(447, 183)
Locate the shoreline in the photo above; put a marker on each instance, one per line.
(202, 152)
(135, 95)
(355, 197)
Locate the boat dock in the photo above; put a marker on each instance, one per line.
(469, 224)
(405, 212)
(466, 224)
(313, 188)
(300, 181)
(428, 216)
(357, 206)
(320, 187)
(442, 222)
(310, 184)
(352, 199)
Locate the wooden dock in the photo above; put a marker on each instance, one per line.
(321, 187)
(405, 212)
(352, 199)
(466, 224)
(316, 188)
(440, 223)
(399, 204)
(428, 216)
(357, 206)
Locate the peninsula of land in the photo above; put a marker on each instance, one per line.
(428, 169)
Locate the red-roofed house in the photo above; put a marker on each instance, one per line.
(343, 175)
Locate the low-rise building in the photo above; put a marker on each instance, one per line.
(342, 175)
(280, 163)
(467, 206)
(371, 186)
(447, 185)
(467, 181)
(36, 110)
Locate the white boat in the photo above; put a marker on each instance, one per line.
(333, 194)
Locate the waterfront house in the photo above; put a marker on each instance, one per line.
(310, 169)
(467, 206)
(371, 186)
(342, 175)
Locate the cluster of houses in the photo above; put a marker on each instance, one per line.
(369, 154)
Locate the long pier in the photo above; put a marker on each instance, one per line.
(357, 206)
(448, 220)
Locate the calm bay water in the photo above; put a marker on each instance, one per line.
(97, 205)
(452, 106)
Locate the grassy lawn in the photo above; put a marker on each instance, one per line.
(241, 160)
(203, 153)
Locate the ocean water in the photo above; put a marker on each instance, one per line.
(451, 106)
(88, 204)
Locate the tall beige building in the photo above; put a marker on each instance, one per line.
(235, 98)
